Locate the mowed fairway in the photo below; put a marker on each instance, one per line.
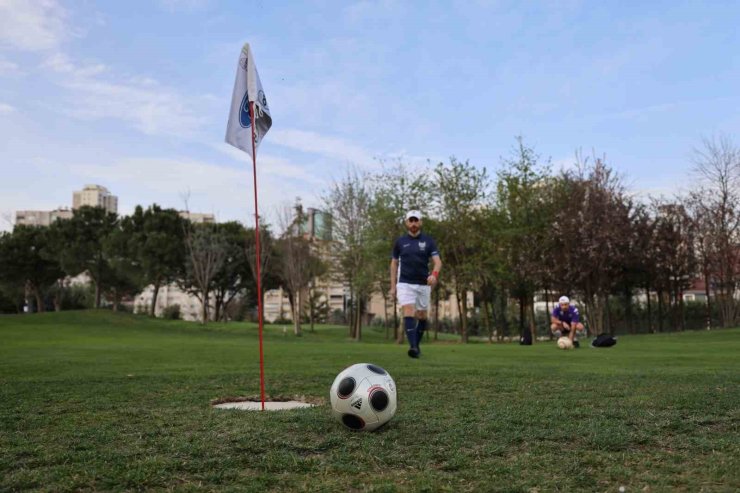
(99, 401)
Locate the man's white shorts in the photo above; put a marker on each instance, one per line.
(414, 294)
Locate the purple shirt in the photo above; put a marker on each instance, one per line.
(568, 316)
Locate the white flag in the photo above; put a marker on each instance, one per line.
(247, 88)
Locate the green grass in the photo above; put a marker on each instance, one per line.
(99, 401)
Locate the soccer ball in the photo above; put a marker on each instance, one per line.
(565, 343)
(363, 397)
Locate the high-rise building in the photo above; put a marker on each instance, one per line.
(95, 196)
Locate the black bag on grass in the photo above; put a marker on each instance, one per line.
(603, 340)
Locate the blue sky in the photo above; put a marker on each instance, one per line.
(134, 95)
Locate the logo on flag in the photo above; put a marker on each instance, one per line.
(244, 119)
(242, 125)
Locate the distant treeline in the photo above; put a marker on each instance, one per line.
(523, 232)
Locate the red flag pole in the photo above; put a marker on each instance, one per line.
(258, 260)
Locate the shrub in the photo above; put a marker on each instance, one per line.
(172, 312)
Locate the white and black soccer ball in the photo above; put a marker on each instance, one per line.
(363, 397)
(565, 343)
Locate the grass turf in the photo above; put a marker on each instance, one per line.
(103, 401)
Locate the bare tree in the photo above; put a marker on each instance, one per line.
(295, 259)
(267, 249)
(206, 251)
(717, 165)
(673, 255)
(592, 218)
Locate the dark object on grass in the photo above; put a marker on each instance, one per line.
(604, 340)
(526, 339)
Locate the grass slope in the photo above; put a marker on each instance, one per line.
(103, 401)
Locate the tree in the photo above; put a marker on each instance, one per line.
(269, 278)
(460, 191)
(674, 257)
(156, 240)
(25, 263)
(295, 259)
(638, 264)
(349, 202)
(206, 253)
(83, 238)
(126, 276)
(593, 212)
(717, 165)
(395, 190)
(234, 278)
(524, 207)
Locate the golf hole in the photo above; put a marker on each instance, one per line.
(272, 403)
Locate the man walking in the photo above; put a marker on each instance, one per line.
(411, 279)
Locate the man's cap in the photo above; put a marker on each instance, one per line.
(563, 299)
(413, 213)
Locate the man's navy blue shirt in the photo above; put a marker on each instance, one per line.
(413, 256)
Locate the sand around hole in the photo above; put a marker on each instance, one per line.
(271, 403)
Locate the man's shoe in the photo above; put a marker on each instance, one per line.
(413, 352)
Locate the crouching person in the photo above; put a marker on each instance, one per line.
(566, 321)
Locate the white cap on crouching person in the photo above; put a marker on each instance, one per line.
(564, 299)
(413, 213)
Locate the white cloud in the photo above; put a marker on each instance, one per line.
(32, 25)
(315, 143)
(6, 109)
(271, 165)
(224, 191)
(8, 68)
(148, 106)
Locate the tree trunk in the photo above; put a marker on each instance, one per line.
(487, 316)
(547, 312)
(464, 318)
(628, 309)
(504, 313)
(155, 293)
(533, 321)
(660, 310)
(39, 300)
(358, 319)
(218, 300)
(459, 308)
(204, 312)
(97, 294)
(706, 293)
(522, 309)
(297, 313)
(351, 318)
(311, 299)
(385, 313)
(436, 314)
(649, 309)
